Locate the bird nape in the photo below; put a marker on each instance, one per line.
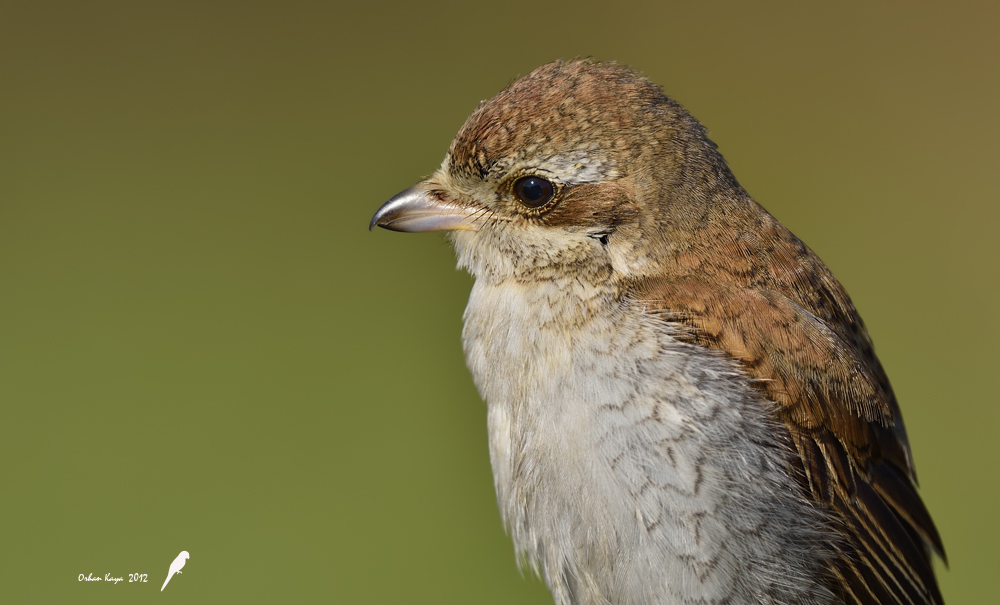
(684, 405)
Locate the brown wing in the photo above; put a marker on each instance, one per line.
(763, 298)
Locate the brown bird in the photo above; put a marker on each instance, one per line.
(684, 406)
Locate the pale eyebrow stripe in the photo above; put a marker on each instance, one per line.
(578, 168)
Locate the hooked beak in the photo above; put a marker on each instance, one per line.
(418, 209)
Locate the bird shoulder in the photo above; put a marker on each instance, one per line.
(758, 295)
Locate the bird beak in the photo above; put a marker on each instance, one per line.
(419, 209)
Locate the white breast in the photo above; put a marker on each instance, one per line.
(631, 468)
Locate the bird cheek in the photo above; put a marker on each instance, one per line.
(629, 254)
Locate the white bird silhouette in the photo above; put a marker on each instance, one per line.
(176, 566)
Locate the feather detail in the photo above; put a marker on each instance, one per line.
(778, 311)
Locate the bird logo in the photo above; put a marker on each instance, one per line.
(176, 566)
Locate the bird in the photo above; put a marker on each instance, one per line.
(683, 404)
(176, 566)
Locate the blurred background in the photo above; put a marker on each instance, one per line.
(202, 347)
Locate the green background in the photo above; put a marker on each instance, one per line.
(202, 347)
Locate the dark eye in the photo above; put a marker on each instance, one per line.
(533, 192)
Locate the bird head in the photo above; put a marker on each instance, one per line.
(580, 168)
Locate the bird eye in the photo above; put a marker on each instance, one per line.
(533, 192)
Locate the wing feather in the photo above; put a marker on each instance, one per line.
(780, 313)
